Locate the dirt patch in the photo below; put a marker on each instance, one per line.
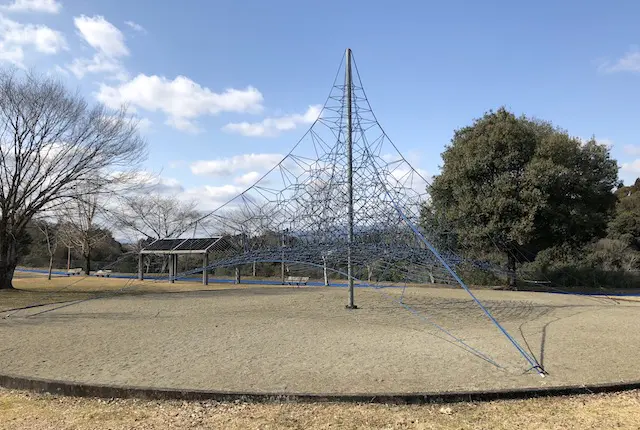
(22, 410)
(303, 340)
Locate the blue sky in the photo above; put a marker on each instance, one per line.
(223, 87)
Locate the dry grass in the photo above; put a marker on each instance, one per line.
(34, 289)
(22, 410)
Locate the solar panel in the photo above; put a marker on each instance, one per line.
(196, 244)
(163, 245)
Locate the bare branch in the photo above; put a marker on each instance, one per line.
(52, 144)
(143, 216)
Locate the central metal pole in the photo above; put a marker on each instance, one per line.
(348, 87)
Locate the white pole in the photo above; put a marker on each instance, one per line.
(324, 268)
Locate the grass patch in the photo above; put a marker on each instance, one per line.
(22, 410)
(35, 290)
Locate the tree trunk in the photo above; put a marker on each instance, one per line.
(8, 262)
(87, 262)
(50, 266)
(511, 271)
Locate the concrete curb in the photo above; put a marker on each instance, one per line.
(72, 389)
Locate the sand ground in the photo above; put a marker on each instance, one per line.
(303, 340)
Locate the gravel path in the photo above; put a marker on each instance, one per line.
(303, 340)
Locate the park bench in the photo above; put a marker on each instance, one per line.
(298, 280)
(76, 271)
(103, 273)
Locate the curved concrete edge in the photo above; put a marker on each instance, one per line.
(148, 393)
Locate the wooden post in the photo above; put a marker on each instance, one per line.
(205, 269)
(237, 280)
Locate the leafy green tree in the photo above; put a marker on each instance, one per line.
(611, 255)
(625, 225)
(520, 185)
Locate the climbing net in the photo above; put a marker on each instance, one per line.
(298, 212)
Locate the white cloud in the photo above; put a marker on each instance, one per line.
(108, 42)
(183, 124)
(15, 36)
(101, 35)
(414, 178)
(248, 178)
(43, 38)
(153, 183)
(271, 127)
(46, 6)
(60, 70)
(169, 186)
(135, 26)
(160, 185)
(632, 149)
(631, 167)
(98, 64)
(629, 62)
(222, 192)
(228, 166)
(181, 99)
(12, 54)
(212, 197)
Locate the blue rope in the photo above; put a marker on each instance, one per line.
(442, 329)
(534, 364)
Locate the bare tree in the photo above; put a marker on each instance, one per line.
(153, 216)
(52, 141)
(79, 227)
(52, 236)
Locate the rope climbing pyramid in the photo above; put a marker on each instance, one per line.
(344, 199)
